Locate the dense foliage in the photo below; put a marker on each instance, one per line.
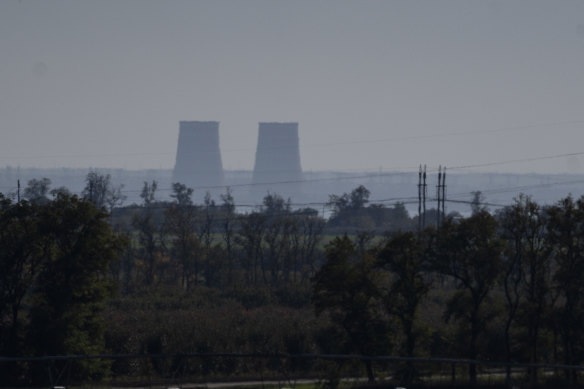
(178, 277)
(54, 258)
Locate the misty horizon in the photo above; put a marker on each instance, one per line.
(375, 86)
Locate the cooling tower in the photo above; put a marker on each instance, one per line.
(198, 159)
(277, 156)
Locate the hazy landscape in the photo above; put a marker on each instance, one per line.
(291, 194)
(499, 189)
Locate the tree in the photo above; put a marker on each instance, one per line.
(206, 237)
(115, 198)
(305, 236)
(470, 252)
(344, 288)
(275, 205)
(72, 283)
(349, 211)
(182, 194)
(181, 220)
(476, 204)
(60, 190)
(399, 217)
(349, 201)
(277, 236)
(565, 234)
(37, 190)
(148, 192)
(96, 188)
(277, 250)
(359, 197)
(151, 233)
(20, 257)
(229, 218)
(250, 238)
(100, 191)
(526, 275)
(404, 258)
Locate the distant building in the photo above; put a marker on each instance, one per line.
(277, 156)
(198, 158)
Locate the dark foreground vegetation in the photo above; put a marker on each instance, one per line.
(82, 275)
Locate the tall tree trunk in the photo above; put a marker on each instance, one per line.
(369, 367)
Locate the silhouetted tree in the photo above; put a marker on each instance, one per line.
(208, 214)
(250, 238)
(349, 201)
(228, 225)
(37, 190)
(403, 257)
(182, 194)
(62, 190)
(565, 234)
(149, 192)
(477, 202)
(72, 283)
(21, 247)
(306, 234)
(526, 274)
(181, 222)
(274, 205)
(359, 197)
(100, 191)
(150, 233)
(470, 252)
(344, 288)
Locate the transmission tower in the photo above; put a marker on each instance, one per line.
(424, 194)
(441, 196)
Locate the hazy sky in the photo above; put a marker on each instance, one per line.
(373, 84)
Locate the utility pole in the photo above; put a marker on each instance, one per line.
(438, 194)
(420, 200)
(18, 192)
(441, 195)
(424, 192)
(444, 193)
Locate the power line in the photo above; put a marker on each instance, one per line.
(377, 174)
(481, 203)
(410, 199)
(531, 159)
(391, 173)
(452, 132)
(520, 188)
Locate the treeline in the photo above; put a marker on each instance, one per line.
(86, 275)
(211, 245)
(509, 286)
(75, 270)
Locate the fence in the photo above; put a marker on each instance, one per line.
(217, 370)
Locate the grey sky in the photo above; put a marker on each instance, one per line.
(373, 84)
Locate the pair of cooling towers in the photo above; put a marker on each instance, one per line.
(198, 157)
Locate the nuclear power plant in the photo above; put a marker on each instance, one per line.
(277, 156)
(198, 158)
(277, 159)
(278, 170)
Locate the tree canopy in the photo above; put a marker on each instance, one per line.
(56, 256)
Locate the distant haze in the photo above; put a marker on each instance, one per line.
(374, 85)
